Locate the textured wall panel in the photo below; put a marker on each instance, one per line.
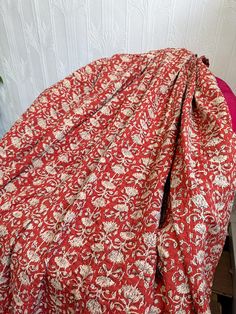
(41, 41)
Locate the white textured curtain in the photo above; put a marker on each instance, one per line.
(42, 41)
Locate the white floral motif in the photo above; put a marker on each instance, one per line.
(10, 187)
(131, 293)
(221, 181)
(85, 270)
(137, 139)
(18, 300)
(154, 310)
(214, 229)
(145, 267)
(97, 247)
(24, 278)
(2, 153)
(92, 177)
(219, 206)
(200, 256)
(104, 281)
(62, 262)
(69, 217)
(108, 185)
(127, 112)
(199, 201)
(99, 202)
(32, 255)
(175, 182)
(163, 251)
(202, 286)
(77, 295)
(82, 195)
(136, 215)
(50, 169)
(16, 141)
(116, 256)
(5, 206)
(131, 191)
(109, 226)
(47, 236)
(127, 235)
(85, 135)
(121, 207)
(127, 153)
(76, 241)
(200, 227)
(5, 261)
(216, 249)
(3, 231)
(183, 288)
(221, 158)
(119, 169)
(42, 123)
(87, 222)
(149, 239)
(144, 124)
(93, 307)
(56, 284)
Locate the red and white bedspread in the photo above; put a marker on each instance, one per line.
(86, 175)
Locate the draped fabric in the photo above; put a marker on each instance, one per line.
(116, 187)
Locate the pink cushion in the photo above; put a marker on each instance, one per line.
(230, 99)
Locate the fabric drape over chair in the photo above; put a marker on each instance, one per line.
(116, 187)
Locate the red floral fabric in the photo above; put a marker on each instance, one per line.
(116, 190)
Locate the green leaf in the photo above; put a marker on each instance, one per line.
(1, 80)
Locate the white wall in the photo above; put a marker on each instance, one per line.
(42, 41)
